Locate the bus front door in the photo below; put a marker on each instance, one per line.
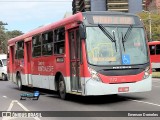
(75, 47)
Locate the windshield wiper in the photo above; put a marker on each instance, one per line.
(127, 33)
(123, 41)
(126, 36)
(105, 31)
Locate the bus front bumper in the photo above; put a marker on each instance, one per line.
(93, 87)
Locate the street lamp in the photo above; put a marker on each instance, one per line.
(150, 27)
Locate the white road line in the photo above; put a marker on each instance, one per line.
(156, 81)
(11, 105)
(145, 102)
(4, 96)
(22, 106)
(155, 86)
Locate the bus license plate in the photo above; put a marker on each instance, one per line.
(123, 89)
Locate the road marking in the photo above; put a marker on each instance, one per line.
(155, 86)
(156, 81)
(145, 102)
(11, 105)
(22, 106)
(4, 96)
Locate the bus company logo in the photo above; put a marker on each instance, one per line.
(31, 96)
(122, 67)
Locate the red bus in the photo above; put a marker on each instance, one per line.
(154, 47)
(90, 53)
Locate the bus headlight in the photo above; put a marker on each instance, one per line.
(94, 74)
(146, 72)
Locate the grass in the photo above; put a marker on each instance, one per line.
(156, 74)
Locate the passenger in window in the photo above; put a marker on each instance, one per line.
(61, 50)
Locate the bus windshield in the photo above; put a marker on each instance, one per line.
(130, 48)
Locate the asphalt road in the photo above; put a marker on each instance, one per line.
(50, 101)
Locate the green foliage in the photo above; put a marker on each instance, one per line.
(5, 36)
(155, 24)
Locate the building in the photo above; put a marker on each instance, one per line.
(131, 6)
(153, 5)
(81, 5)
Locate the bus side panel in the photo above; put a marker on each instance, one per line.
(43, 72)
(155, 60)
(19, 67)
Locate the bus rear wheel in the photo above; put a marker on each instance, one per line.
(19, 82)
(62, 88)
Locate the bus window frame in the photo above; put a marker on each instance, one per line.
(47, 43)
(40, 36)
(16, 57)
(56, 42)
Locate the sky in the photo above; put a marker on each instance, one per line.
(26, 15)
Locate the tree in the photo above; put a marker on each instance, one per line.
(155, 24)
(5, 36)
(2, 37)
(12, 34)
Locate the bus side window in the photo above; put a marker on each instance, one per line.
(47, 43)
(152, 49)
(158, 49)
(59, 40)
(36, 46)
(19, 50)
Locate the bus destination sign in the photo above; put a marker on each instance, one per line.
(113, 20)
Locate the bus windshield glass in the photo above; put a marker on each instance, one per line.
(130, 48)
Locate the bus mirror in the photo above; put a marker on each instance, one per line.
(82, 31)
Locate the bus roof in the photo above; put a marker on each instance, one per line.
(65, 21)
(73, 18)
(154, 42)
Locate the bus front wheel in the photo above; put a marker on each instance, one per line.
(62, 88)
(4, 77)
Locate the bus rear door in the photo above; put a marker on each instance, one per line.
(28, 63)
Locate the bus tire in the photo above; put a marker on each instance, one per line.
(62, 88)
(4, 77)
(19, 82)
